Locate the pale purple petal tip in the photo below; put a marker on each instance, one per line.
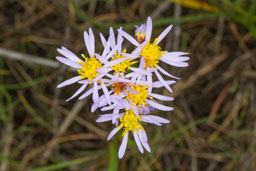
(69, 62)
(137, 140)
(163, 34)
(82, 88)
(123, 145)
(159, 106)
(113, 132)
(148, 28)
(69, 81)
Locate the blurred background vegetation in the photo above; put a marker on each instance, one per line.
(213, 126)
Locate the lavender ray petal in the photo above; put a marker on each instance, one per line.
(69, 62)
(67, 53)
(166, 73)
(123, 145)
(69, 81)
(163, 34)
(82, 88)
(87, 42)
(148, 28)
(113, 132)
(92, 42)
(137, 140)
(163, 81)
(159, 106)
(128, 37)
(161, 97)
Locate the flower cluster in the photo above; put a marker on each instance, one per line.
(122, 82)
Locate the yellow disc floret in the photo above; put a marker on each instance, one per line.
(130, 122)
(89, 67)
(141, 97)
(122, 66)
(151, 52)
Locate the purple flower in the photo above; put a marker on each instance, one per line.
(151, 54)
(130, 122)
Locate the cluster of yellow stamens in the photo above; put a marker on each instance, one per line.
(89, 67)
(151, 52)
(118, 87)
(122, 66)
(141, 97)
(130, 122)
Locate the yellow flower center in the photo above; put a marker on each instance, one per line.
(141, 97)
(89, 67)
(118, 87)
(130, 122)
(122, 66)
(151, 52)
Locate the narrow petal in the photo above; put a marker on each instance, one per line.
(137, 140)
(141, 71)
(106, 93)
(92, 42)
(158, 119)
(94, 107)
(111, 53)
(107, 108)
(143, 139)
(158, 84)
(128, 37)
(103, 70)
(69, 81)
(113, 132)
(112, 38)
(101, 59)
(161, 97)
(87, 42)
(99, 77)
(148, 120)
(106, 49)
(179, 58)
(174, 63)
(103, 40)
(114, 62)
(159, 106)
(136, 111)
(137, 51)
(119, 38)
(69, 62)
(154, 119)
(163, 34)
(67, 53)
(163, 81)
(123, 145)
(149, 82)
(95, 95)
(148, 28)
(103, 119)
(174, 54)
(86, 94)
(166, 73)
(82, 88)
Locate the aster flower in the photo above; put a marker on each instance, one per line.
(131, 123)
(137, 100)
(151, 54)
(90, 71)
